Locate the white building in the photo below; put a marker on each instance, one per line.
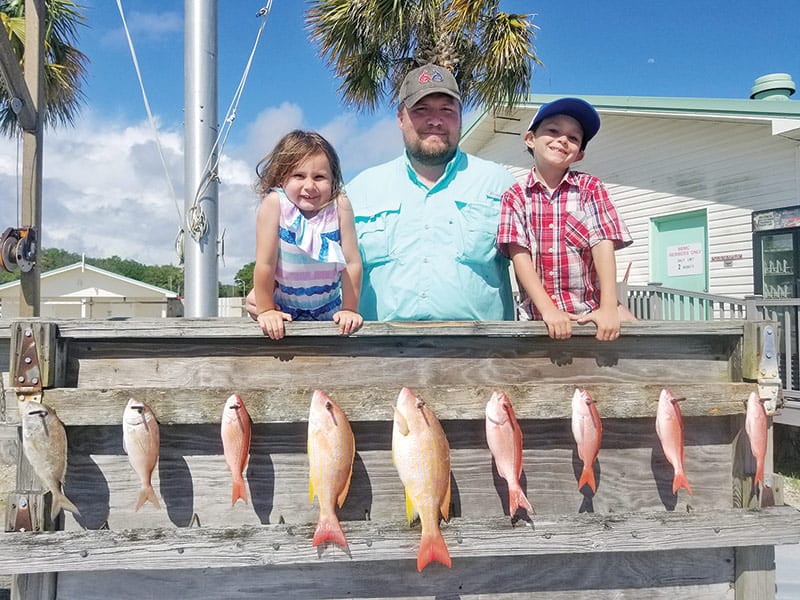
(83, 291)
(686, 175)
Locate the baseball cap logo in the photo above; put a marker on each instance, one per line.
(425, 77)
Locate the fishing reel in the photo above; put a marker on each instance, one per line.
(18, 249)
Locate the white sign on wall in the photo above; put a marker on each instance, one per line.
(686, 259)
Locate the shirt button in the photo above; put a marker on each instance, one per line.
(550, 225)
(423, 295)
(553, 296)
(550, 250)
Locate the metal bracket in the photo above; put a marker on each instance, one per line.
(25, 512)
(27, 371)
(770, 388)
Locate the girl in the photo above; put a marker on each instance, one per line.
(308, 266)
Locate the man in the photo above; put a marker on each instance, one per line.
(426, 222)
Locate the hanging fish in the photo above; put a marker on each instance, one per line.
(504, 437)
(235, 431)
(140, 440)
(422, 456)
(755, 424)
(331, 451)
(44, 442)
(587, 429)
(669, 427)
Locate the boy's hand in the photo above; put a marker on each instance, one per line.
(271, 323)
(349, 321)
(607, 322)
(559, 323)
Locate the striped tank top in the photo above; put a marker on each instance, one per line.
(308, 281)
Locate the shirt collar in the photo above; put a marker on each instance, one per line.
(533, 179)
(449, 171)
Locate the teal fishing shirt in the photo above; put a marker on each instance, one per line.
(429, 253)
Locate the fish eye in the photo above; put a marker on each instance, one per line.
(420, 403)
(328, 405)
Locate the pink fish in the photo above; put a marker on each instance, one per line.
(140, 440)
(669, 427)
(331, 451)
(587, 429)
(755, 424)
(504, 437)
(421, 453)
(235, 431)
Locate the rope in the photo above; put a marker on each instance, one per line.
(147, 108)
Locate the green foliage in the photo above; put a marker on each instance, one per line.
(245, 276)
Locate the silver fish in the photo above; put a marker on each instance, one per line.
(44, 441)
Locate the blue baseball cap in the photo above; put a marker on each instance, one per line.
(580, 110)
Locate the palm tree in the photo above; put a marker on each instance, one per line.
(65, 65)
(372, 44)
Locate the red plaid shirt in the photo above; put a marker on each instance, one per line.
(560, 230)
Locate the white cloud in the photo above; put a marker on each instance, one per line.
(105, 192)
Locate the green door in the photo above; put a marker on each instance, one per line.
(679, 255)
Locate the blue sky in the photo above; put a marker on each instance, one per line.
(106, 171)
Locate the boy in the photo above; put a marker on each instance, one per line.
(561, 230)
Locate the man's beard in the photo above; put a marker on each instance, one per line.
(425, 154)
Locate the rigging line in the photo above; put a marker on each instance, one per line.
(147, 108)
(211, 170)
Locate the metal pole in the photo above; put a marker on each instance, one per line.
(201, 272)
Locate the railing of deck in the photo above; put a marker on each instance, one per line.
(655, 302)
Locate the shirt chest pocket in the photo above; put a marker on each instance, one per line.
(374, 238)
(478, 227)
(576, 233)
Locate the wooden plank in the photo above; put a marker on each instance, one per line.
(755, 572)
(187, 328)
(685, 574)
(198, 548)
(289, 402)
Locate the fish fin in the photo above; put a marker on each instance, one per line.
(400, 421)
(340, 500)
(516, 500)
(60, 501)
(329, 530)
(411, 512)
(587, 477)
(239, 491)
(445, 505)
(432, 547)
(145, 494)
(679, 482)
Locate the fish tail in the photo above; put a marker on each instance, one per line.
(145, 494)
(60, 501)
(432, 547)
(239, 491)
(679, 482)
(516, 500)
(587, 477)
(329, 530)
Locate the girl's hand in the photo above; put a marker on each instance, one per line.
(559, 323)
(349, 321)
(271, 323)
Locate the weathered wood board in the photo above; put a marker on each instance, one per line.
(633, 538)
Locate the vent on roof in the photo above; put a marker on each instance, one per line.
(776, 86)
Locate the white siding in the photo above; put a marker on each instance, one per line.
(659, 165)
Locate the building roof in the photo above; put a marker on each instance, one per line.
(783, 113)
(79, 267)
